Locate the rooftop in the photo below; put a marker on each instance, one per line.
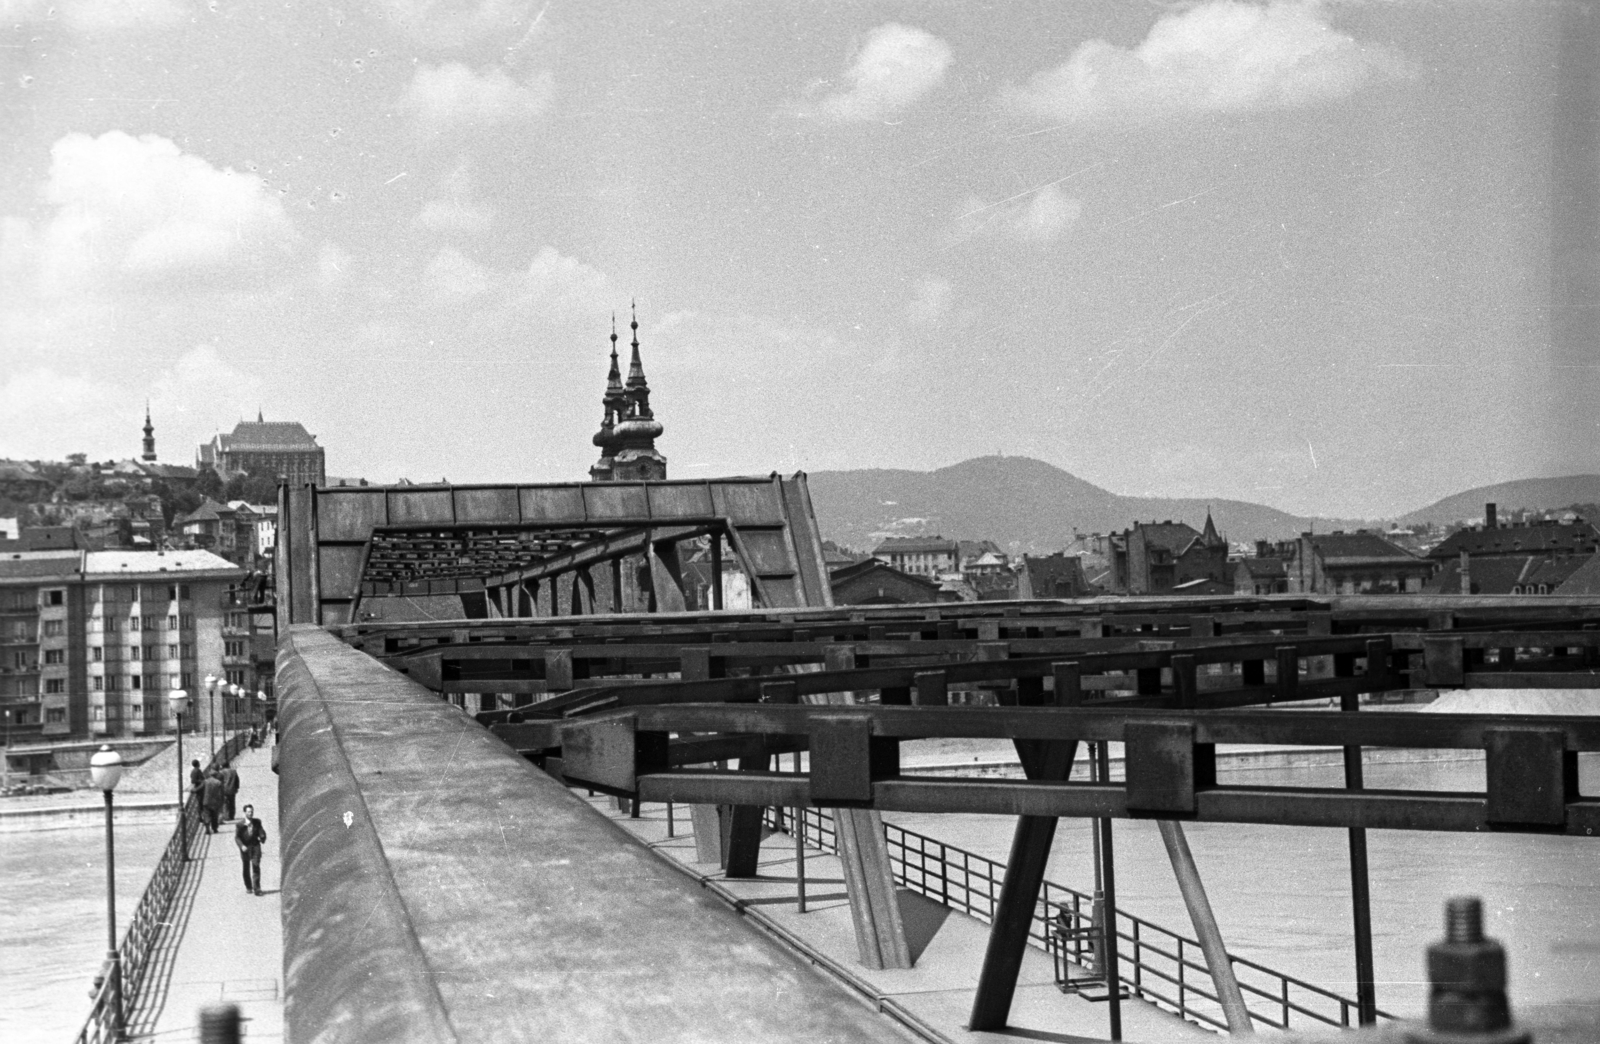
(141, 563)
(268, 435)
(907, 545)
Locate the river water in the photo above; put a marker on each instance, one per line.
(1282, 894)
(53, 921)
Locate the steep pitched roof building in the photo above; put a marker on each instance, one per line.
(281, 448)
(1155, 557)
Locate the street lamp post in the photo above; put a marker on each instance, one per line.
(238, 691)
(261, 708)
(178, 700)
(105, 770)
(211, 701)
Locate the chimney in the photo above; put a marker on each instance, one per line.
(1489, 520)
(1466, 574)
(1261, 549)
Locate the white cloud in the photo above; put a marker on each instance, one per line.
(453, 274)
(94, 16)
(1040, 216)
(48, 413)
(454, 95)
(443, 24)
(930, 303)
(333, 266)
(1049, 212)
(139, 209)
(453, 215)
(897, 65)
(1220, 56)
(554, 287)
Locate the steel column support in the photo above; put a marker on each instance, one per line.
(1360, 892)
(716, 574)
(1019, 894)
(1205, 927)
(1108, 876)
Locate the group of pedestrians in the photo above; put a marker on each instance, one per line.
(218, 790)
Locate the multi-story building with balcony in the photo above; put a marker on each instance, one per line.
(91, 642)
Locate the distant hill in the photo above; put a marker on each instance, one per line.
(1531, 494)
(1022, 504)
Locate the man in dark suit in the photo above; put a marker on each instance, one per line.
(249, 836)
(230, 790)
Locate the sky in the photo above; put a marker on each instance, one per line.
(1300, 253)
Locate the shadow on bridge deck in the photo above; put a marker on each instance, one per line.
(438, 887)
(936, 996)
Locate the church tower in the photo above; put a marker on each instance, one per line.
(627, 436)
(615, 402)
(149, 437)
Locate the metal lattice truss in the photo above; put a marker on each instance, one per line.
(494, 546)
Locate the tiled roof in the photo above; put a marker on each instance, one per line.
(44, 538)
(1511, 540)
(1174, 536)
(24, 565)
(115, 563)
(1265, 568)
(1585, 580)
(268, 435)
(913, 545)
(1358, 549)
(1498, 574)
(868, 565)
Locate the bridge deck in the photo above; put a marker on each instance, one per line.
(438, 887)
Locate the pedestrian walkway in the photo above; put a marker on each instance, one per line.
(222, 943)
(935, 996)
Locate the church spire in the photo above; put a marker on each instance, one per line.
(1209, 535)
(149, 435)
(629, 452)
(636, 367)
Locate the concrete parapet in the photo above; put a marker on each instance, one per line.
(438, 887)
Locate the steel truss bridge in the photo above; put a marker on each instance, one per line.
(562, 672)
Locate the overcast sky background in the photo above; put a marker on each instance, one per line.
(1296, 253)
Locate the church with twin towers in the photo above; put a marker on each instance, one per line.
(627, 435)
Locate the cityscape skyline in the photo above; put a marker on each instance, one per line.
(1291, 253)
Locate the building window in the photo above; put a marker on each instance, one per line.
(113, 683)
(97, 713)
(55, 656)
(183, 591)
(172, 622)
(187, 621)
(234, 676)
(152, 652)
(233, 648)
(133, 652)
(97, 683)
(52, 628)
(188, 680)
(95, 653)
(55, 715)
(138, 710)
(136, 682)
(55, 598)
(175, 681)
(172, 594)
(172, 652)
(55, 686)
(133, 624)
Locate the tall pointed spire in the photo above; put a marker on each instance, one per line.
(636, 367)
(149, 435)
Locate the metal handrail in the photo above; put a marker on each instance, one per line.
(1165, 968)
(147, 922)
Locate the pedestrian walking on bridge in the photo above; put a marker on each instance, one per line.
(211, 800)
(196, 777)
(249, 836)
(230, 790)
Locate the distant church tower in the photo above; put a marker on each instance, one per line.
(149, 437)
(627, 435)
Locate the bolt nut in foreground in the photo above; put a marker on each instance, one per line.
(1467, 984)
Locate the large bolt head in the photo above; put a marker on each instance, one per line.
(1467, 967)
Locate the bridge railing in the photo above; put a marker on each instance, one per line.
(145, 926)
(1162, 966)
